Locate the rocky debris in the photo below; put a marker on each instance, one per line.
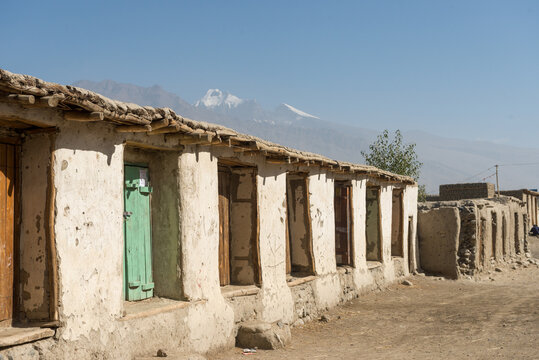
(161, 353)
(262, 335)
(407, 282)
(325, 318)
(498, 269)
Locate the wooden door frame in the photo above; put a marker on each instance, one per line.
(307, 218)
(380, 238)
(401, 218)
(226, 263)
(347, 184)
(224, 163)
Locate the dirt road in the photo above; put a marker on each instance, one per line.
(433, 319)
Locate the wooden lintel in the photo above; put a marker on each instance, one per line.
(152, 147)
(23, 99)
(133, 128)
(165, 130)
(276, 161)
(83, 116)
(40, 117)
(47, 130)
(242, 149)
(194, 141)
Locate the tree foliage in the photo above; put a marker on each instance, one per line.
(393, 155)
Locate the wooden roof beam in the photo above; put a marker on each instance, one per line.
(22, 99)
(133, 128)
(84, 116)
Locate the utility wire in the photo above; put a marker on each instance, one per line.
(481, 172)
(492, 167)
(521, 164)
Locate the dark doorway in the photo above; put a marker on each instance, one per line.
(343, 222)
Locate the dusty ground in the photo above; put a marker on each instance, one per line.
(433, 319)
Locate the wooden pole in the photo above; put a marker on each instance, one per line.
(497, 183)
(24, 99)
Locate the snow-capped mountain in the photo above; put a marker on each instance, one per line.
(226, 103)
(217, 98)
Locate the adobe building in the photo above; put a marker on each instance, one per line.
(128, 229)
(529, 197)
(463, 237)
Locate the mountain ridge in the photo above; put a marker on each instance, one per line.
(446, 160)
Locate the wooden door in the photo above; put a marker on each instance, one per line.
(8, 195)
(138, 280)
(224, 227)
(342, 204)
(373, 229)
(411, 244)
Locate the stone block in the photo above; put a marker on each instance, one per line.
(263, 335)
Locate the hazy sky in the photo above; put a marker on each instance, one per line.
(466, 69)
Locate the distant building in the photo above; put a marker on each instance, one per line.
(468, 229)
(530, 198)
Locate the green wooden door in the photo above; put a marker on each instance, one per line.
(138, 281)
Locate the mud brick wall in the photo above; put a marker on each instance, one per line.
(466, 191)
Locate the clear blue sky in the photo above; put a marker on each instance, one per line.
(466, 69)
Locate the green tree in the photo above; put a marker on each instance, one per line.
(392, 154)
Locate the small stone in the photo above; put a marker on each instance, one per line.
(161, 353)
(325, 318)
(519, 262)
(280, 324)
(514, 267)
(298, 322)
(407, 283)
(498, 269)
